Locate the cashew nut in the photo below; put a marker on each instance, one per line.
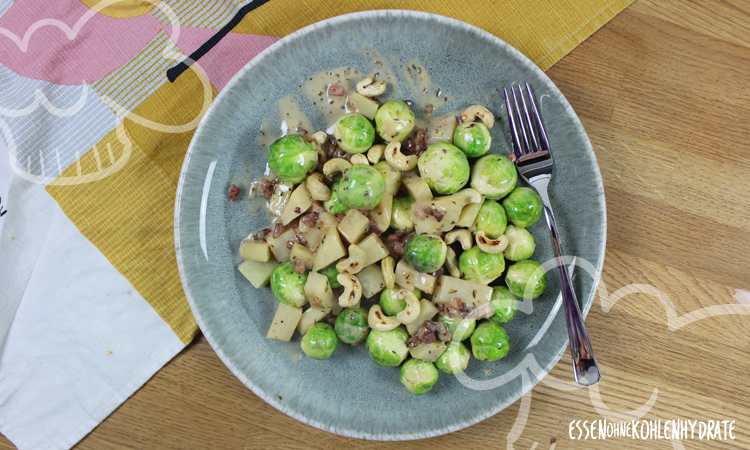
(370, 88)
(320, 137)
(359, 159)
(460, 235)
(488, 245)
(335, 165)
(451, 263)
(375, 153)
(352, 290)
(378, 321)
(472, 112)
(410, 313)
(397, 159)
(388, 271)
(318, 190)
(355, 262)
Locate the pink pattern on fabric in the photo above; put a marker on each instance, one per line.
(56, 53)
(227, 57)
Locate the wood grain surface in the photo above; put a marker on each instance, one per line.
(663, 91)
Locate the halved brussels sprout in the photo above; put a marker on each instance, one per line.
(455, 358)
(444, 168)
(391, 175)
(460, 328)
(526, 279)
(505, 305)
(489, 342)
(492, 219)
(418, 376)
(334, 205)
(523, 206)
(354, 133)
(476, 265)
(425, 252)
(351, 325)
(394, 121)
(521, 243)
(361, 187)
(387, 348)
(401, 214)
(287, 285)
(291, 158)
(494, 176)
(473, 138)
(319, 341)
(331, 272)
(391, 304)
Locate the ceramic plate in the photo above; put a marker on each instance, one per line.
(348, 394)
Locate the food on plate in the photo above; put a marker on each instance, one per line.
(418, 376)
(473, 138)
(523, 206)
(526, 279)
(493, 176)
(320, 341)
(444, 167)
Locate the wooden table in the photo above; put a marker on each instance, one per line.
(663, 91)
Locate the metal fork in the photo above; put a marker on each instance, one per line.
(534, 162)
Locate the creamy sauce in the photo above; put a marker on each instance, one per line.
(293, 120)
(317, 90)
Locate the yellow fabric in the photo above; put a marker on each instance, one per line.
(121, 9)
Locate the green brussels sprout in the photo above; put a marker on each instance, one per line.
(492, 219)
(394, 120)
(354, 133)
(494, 176)
(351, 325)
(476, 265)
(473, 138)
(455, 359)
(460, 328)
(387, 348)
(444, 168)
(489, 342)
(505, 305)
(334, 205)
(521, 243)
(391, 175)
(526, 279)
(287, 285)
(291, 158)
(425, 252)
(523, 206)
(392, 305)
(401, 214)
(361, 187)
(331, 272)
(418, 376)
(320, 341)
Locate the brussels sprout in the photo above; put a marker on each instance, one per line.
(387, 348)
(392, 305)
(489, 342)
(523, 206)
(504, 303)
(334, 205)
(331, 272)
(351, 325)
(460, 328)
(476, 265)
(391, 175)
(494, 176)
(320, 341)
(361, 187)
(454, 359)
(287, 285)
(394, 120)
(401, 214)
(520, 243)
(291, 158)
(418, 376)
(354, 133)
(444, 168)
(425, 252)
(473, 138)
(526, 279)
(492, 219)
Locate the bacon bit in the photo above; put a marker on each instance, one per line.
(289, 244)
(336, 90)
(278, 229)
(340, 217)
(310, 219)
(413, 342)
(438, 272)
(261, 235)
(428, 109)
(297, 210)
(457, 308)
(330, 319)
(316, 208)
(398, 249)
(266, 187)
(301, 130)
(300, 266)
(373, 228)
(234, 191)
(426, 335)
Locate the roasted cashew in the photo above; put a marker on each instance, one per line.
(375, 153)
(352, 290)
(318, 190)
(370, 88)
(320, 137)
(335, 165)
(461, 235)
(359, 159)
(451, 263)
(472, 112)
(354, 263)
(388, 271)
(378, 321)
(410, 313)
(397, 159)
(488, 245)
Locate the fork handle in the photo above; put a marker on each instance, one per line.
(585, 368)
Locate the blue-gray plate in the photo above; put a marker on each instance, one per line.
(348, 394)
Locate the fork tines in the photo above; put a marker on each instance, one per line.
(526, 127)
